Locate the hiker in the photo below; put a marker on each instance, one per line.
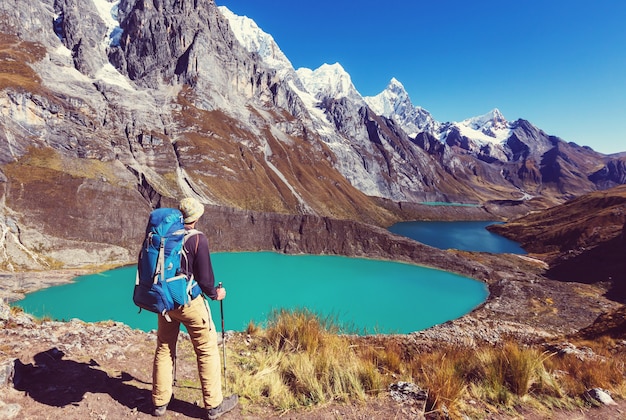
(196, 317)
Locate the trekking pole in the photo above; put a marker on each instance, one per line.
(219, 286)
(175, 360)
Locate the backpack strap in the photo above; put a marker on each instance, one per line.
(188, 234)
(191, 281)
(160, 268)
(161, 271)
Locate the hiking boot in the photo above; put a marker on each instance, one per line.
(159, 411)
(228, 403)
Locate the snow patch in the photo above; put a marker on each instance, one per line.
(110, 75)
(107, 10)
(255, 40)
(329, 80)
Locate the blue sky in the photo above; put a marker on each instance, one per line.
(561, 64)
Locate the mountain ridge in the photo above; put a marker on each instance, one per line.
(486, 137)
(173, 104)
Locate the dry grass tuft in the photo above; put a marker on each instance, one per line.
(299, 360)
(577, 375)
(295, 331)
(443, 373)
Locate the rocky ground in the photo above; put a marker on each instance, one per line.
(73, 370)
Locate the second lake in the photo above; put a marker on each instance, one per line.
(465, 236)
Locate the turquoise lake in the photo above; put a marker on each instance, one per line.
(466, 236)
(365, 296)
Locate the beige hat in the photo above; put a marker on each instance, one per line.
(191, 209)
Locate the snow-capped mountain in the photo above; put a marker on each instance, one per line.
(256, 40)
(481, 135)
(138, 105)
(485, 135)
(380, 141)
(332, 81)
(394, 103)
(329, 81)
(491, 127)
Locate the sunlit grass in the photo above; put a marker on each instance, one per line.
(298, 361)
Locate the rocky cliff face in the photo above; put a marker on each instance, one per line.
(110, 109)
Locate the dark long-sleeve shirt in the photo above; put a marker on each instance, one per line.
(199, 263)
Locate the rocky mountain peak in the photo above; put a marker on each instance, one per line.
(393, 100)
(394, 103)
(328, 80)
(487, 123)
(394, 84)
(394, 92)
(254, 39)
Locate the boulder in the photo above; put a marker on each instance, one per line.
(599, 396)
(7, 373)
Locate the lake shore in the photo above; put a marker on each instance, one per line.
(14, 286)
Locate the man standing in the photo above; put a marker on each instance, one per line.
(196, 317)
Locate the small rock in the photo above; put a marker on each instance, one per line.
(599, 395)
(582, 353)
(9, 411)
(7, 372)
(407, 392)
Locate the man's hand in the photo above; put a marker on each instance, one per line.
(221, 293)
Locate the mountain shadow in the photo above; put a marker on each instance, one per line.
(604, 263)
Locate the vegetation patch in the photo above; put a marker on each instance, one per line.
(15, 57)
(299, 361)
(41, 164)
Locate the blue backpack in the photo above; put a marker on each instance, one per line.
(160, 286)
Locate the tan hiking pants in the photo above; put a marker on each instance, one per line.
(196, 317)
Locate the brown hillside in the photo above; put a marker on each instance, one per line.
(583, 240)
(583, 222)
(612, 324)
